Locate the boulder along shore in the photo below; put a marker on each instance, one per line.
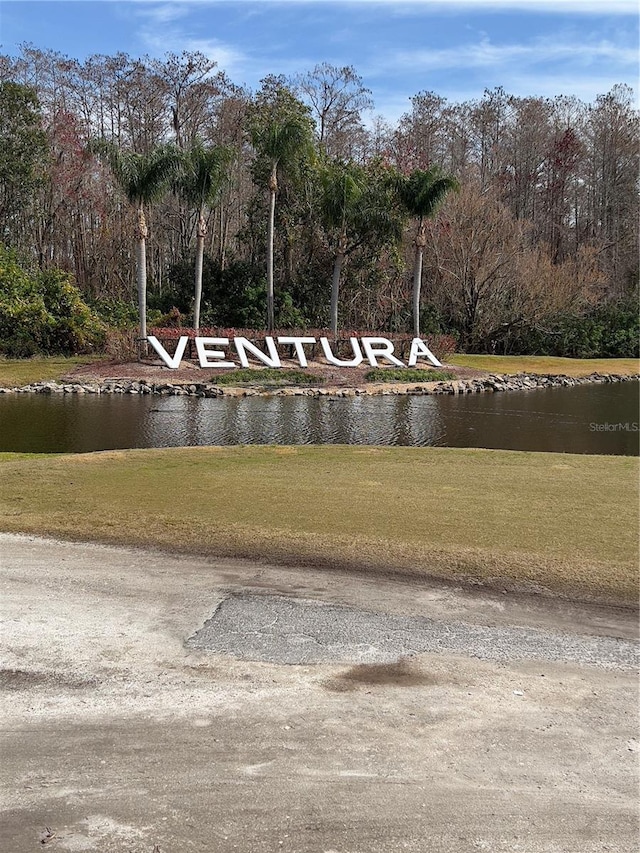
(491, 383)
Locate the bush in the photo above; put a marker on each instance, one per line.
(408, 374)
(116, 313)
(267, 376)
(43, 312)
(234, 296)
(609, 331)
(122, 344)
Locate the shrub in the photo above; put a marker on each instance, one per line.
(234, 296)
(267, 376)
(43, 312)
(122, 344)
(407, 374)
(116, 313)
(608, 331)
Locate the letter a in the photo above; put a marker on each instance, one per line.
(419, 347)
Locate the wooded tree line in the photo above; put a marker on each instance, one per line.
(302, 215)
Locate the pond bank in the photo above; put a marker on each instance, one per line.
(491, 383)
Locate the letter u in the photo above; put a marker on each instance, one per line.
(354, 362)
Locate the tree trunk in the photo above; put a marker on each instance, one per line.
(420, 242)
(202, 233)
(273, 189)
(222, 248)
(335, 284)
(141, 275)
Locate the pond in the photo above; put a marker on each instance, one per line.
(585, 419)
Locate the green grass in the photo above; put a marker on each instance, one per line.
(407, 374)
(17, 372)
(547, 364)
(267, 377)
(563, 522)
(23, 371)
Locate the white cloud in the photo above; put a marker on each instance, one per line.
(545, 67)
(600, 7)
(584, 64)
(160, 34)
(164, 13)
(485, 54)
(586, 89)
(227, 57)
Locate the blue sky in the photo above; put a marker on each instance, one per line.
(455, 48)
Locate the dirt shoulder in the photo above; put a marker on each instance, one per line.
(120, 734)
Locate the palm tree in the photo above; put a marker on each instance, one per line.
(283, 141)
(356, 206)
(421, 194)
(205, 171)
(143, 178)
(342, 189)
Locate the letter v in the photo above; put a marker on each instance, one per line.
(173, 363)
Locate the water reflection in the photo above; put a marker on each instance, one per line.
(570, 420)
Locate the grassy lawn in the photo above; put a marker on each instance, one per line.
(17, 372)
(547, 364)
(23, 371)
(565, 522)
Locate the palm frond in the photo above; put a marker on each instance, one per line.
(422, 192)
(205, 172)
(283, 141)
(142, 178)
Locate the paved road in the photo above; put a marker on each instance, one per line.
(198, 706)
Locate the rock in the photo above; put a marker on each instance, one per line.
(490, 384)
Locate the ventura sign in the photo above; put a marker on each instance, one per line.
(213, 352)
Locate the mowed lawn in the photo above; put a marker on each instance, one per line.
(17, 372)
(567, 523)
(547, 364)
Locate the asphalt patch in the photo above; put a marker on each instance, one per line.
(283, 630)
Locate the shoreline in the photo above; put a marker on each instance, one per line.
(482, 383)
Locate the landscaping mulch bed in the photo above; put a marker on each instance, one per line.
(152, 370)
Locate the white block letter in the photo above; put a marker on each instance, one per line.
(173, 363)
(271, 360)
(298, 344)
(205, 354)
(355, 361)
(419, 347)
(383, 349)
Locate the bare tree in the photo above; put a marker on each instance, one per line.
(337, 97)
